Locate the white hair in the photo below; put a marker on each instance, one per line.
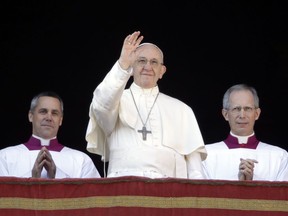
(160, 51)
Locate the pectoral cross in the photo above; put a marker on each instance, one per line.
(144, 132)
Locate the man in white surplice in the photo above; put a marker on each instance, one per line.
(42, 155)
(140, 131)
(241, 156)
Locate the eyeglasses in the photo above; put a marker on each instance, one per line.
(238, 109)
(143, 61)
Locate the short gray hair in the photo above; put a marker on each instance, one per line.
(240, 87)
(35, 99)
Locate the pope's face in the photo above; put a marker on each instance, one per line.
(148, 67)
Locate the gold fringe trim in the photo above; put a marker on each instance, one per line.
(144, 201)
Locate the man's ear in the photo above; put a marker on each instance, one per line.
(225, 114)
(30, 116)
(258, 111)
(61, 121)
(162, 72)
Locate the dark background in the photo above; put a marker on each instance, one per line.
(69, 46)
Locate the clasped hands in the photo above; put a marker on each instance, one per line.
(44, 160)
(246, 169)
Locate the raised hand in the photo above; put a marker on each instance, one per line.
(127, 56)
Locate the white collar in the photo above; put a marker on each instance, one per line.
(44, 142)
(242, 139)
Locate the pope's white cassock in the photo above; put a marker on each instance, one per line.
(18, 160)
(174, 146)
(224, 158)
